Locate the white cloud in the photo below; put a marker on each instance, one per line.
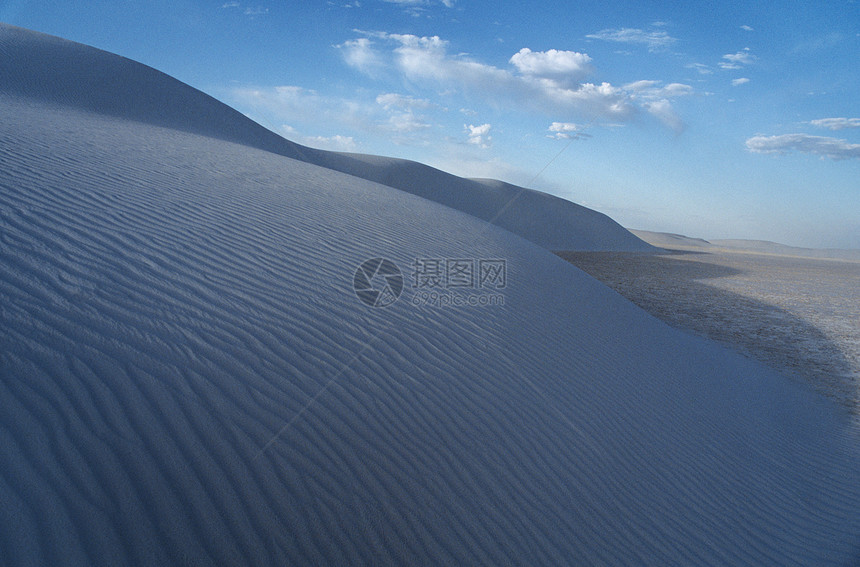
(747, 28)
(836, 123)
(479, 135)
(737, 60)
(564, 127)
(654, 39)
(740, 81)
(567, 131)
(823, 146)
(566, 67)
(230, 5)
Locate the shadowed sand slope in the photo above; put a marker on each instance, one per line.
(549, 221)
(187, 377)
(58, 71)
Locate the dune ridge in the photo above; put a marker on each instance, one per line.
(681, 242)
(169, 302)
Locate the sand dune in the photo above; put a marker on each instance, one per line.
(187, 376)
(57, 71)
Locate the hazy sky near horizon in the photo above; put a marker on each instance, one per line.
(715, 120)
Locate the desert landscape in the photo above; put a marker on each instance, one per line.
(210, 355)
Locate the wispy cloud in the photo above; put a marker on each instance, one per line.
(662, 110)
(396, 117)
(823, 146)
(740, 81)
(394, 100)
(418, 8)
(656, 101)
(248, 11)
(360, 54)
(737, 60)
(336, 143)
(836, 123)
(653, 39)
(404, 117)
(651, 90)
(701, 68)
(815, 45)
(747, 28)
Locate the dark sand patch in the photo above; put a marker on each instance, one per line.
(798, 315)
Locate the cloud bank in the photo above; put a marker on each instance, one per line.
(551, 82)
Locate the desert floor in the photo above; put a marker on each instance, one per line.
(799, 315)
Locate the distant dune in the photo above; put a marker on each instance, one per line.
(669, 240)
(188, 377)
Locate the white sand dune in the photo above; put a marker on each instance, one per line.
(187, 377)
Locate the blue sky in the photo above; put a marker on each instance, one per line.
(715, 120)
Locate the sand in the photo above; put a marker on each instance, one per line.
(799, 315)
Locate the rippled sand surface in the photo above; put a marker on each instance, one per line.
(799, 315)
